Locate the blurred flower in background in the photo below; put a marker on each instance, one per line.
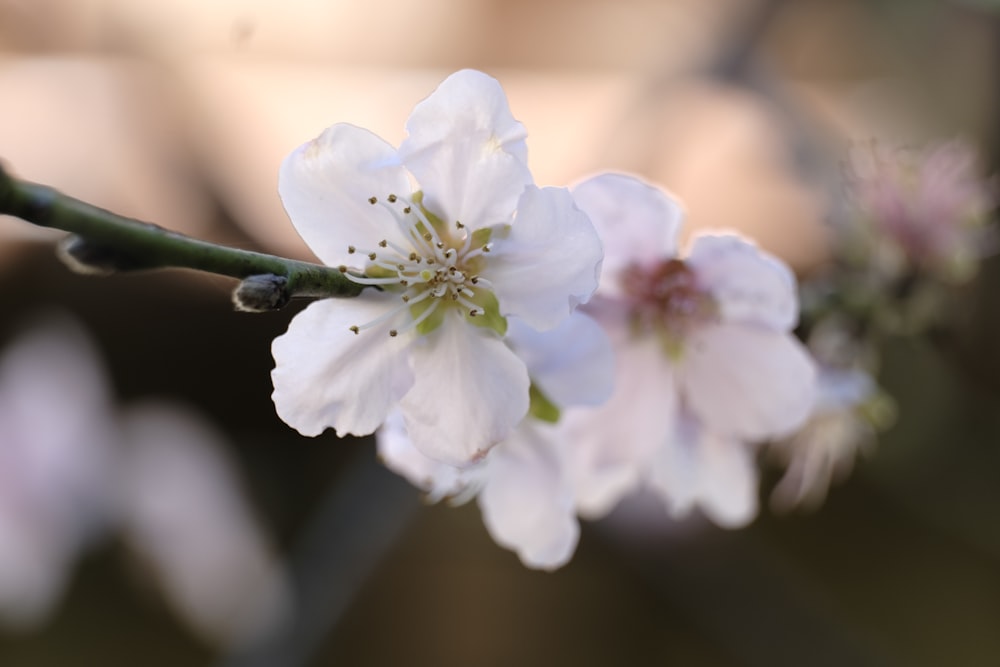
(922, 210)
(73, 472)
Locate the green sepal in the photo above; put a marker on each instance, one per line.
(540, 407)
(491, 319)
(433, 321)
(481, 237)
(373, 271)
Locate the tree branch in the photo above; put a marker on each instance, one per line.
(104, 242)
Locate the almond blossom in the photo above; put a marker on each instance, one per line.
(706, 360)
(523, 488)
(453, 232)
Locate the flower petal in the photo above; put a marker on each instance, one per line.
(325, 186)
(697, 467)
(438, 480)
(183, 511)
(467, 151)
(573, 364)
(526, 504)
(549, 263)
(746, 382)
(473, 391)
(325, 375)
(749, 284)
(637, 223)
(606, 448)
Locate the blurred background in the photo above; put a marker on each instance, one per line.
(180, 112)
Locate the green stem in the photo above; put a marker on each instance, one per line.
(111, 242)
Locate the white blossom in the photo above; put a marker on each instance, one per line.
(453, 231)
(706, 360)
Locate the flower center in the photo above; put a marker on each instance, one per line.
(437, 269)
(667, 300)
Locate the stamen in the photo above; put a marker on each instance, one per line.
(355, 329)
(470, 305)
(388, 315)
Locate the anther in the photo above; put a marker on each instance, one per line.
(401, 267)
(459, 225)
(355, 329)
(393, 333)
(488, 247)
(404, 283)
(371, 256)
(342, 268)
(428, 237)
(392, 199)
(372, 201)
(383, 243)
(407, 209)
(440, 245)
(473, 312)
(414, 257)
(474, 280)
(406, 298)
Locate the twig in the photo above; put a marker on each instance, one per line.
(104, 242)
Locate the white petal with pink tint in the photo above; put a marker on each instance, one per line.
(748, 284)
(472, 392)
(326, 375)
(746, 382)
(526, 503)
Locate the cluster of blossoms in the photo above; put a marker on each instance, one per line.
(915, 228)
(489, 381)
